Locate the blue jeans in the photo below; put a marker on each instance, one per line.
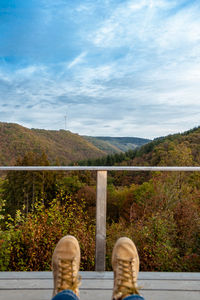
(69, 295)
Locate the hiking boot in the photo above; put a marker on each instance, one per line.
(125, 263)
(65, 265)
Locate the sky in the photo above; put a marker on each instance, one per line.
(107, 67)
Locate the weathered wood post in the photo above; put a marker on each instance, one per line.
(100, 258)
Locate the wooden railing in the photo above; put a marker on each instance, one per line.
(101, 196)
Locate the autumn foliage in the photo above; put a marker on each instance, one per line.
(160, 211)
(28, 241)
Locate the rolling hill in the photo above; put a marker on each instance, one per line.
(62, 146)
(116, 144)
(180, 149)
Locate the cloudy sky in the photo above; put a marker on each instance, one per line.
(112, 67)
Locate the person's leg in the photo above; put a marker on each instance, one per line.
(134, 297)
(125, 263)
(65, 265)
(66, 295)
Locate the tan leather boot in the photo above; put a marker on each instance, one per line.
(125, 263)
(65, 265)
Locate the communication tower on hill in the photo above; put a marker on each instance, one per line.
(65, 121)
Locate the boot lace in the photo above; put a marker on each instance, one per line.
(125, 279)
(67, 276)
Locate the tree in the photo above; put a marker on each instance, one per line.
(22, 188)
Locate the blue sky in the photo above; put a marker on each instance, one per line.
(116, 68)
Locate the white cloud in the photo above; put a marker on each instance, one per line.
(139, 76)
(79, 59)
(30, 70)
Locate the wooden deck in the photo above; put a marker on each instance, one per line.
(98, 285)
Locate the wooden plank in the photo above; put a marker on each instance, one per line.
(105, 275)
(155, 285)
(168, 295)
(98, 295)
(100, 258)
(102, 284)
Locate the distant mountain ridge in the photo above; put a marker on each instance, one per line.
(116, 144)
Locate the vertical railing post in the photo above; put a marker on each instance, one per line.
(100, 258)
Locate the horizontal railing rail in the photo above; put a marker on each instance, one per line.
(96, 168)
(101, 194)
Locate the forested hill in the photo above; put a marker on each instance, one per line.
(62, 146)
(181, 149)
(116, 144)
